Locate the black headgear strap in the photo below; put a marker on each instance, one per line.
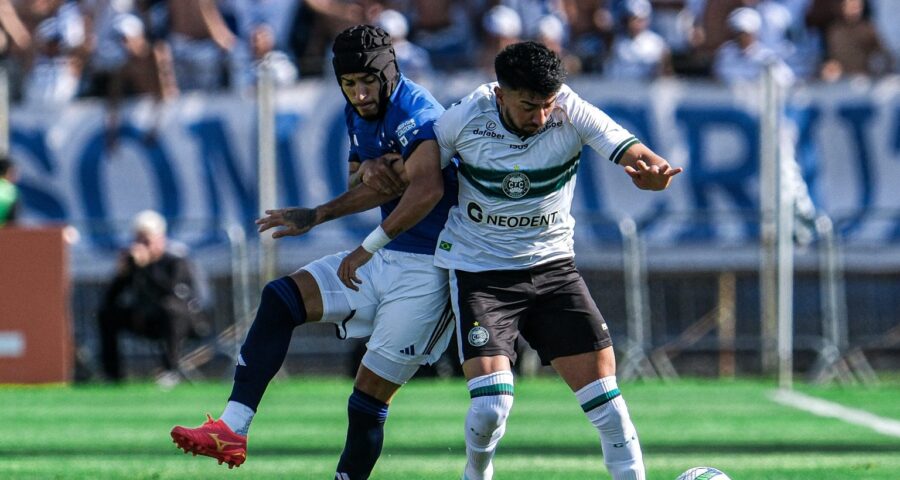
(367, 49)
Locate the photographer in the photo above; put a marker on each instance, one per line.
(153, 295)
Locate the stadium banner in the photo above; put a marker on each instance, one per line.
(194, 159)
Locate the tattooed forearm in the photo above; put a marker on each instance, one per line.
(300, 218)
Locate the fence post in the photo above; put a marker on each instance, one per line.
(240, 284)
(725, 323)
(268, 186)
(784, 209)
(834, 361)
(768, 191)
(777, 203)
(636, 363)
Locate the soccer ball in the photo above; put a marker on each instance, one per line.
(703, 473)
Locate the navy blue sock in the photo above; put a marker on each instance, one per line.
(280, 310)
(365, 436)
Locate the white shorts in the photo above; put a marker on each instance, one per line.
(403, 303)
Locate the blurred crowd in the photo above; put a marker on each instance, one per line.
(57, 50)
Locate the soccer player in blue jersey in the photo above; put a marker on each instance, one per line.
(399, 297)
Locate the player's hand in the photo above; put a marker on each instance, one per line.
(381, 174)
(652, 177)
(293, 221)
(347, 269)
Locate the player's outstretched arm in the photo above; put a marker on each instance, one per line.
(372, 183)
(290, 221)
(293, 221)
(426, 187)
(648, 171)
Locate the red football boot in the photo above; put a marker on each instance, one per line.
(213, 439)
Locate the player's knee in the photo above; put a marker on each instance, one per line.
(386, 369)
(309, 291)
(271, 298)
(488, 414)
(272, 292)
(606, 360)
(283, 299)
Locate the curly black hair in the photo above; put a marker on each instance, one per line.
(530, 66)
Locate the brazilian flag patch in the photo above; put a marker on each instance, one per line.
(446, 246)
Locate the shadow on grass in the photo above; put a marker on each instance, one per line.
(530, 450)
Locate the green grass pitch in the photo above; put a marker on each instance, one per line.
(96, 432)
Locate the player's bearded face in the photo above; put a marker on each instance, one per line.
(362, 89)
(524, 111)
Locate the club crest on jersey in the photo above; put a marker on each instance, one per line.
(516, 185)
(478, 336)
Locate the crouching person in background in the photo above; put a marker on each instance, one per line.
(153, 295)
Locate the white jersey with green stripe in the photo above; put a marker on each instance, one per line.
(515, 194)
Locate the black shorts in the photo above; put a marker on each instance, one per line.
(549, 305)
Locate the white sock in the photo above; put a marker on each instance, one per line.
(238, 417)
(486, 421)
(605, 408)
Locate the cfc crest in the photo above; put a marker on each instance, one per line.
(478, 336)
(516, 185)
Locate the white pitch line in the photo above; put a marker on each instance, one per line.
(824, 408)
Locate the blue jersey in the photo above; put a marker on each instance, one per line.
(408, 121)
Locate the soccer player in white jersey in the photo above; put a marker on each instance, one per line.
(509, 248)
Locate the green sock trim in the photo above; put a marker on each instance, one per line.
(606, 397)
(498, 389)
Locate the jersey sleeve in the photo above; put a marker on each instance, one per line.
(596, 129)
(447, 129)
(415, 130)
